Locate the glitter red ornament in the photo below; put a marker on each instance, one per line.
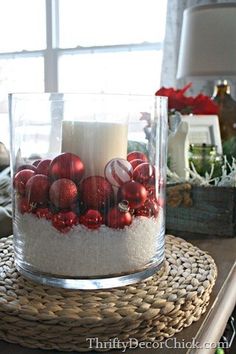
(118, 172)
(134, 192)
(92, 219)
(43, 213)
(63, 193)
(148, 209)
(68, 166)
(144, 174)
(137, 155)
(20, 180)
(64, 221)
(37, 189)
(43, 167)
(96, 192)
(118, 218)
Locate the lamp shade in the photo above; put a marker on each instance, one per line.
(208, 42)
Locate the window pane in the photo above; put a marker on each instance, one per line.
(18, 75)
(23, 74)
(103, 22)
(122, 72)
(22, 25)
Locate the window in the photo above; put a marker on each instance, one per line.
(78, 45)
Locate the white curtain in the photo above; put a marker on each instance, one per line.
(175, 9)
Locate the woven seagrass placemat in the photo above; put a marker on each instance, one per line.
(51, 318)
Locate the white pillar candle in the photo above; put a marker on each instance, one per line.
(96, 143)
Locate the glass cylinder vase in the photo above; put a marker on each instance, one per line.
(89, 175)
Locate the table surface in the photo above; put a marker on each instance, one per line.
(211, 325)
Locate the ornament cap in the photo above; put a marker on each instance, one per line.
(123, 206)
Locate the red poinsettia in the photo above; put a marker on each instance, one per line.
(177, 101)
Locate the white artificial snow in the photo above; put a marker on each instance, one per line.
(83, 252)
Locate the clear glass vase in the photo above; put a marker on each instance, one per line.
(89, 175)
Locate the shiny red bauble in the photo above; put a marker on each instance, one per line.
(118, 219)
(135, 163)
(92, 219)
(67, 165)
(148, 209)
(63, 193)
(96, 192)
(134, 192)
(43, 213)
(20, 180)
(137, 155)
(24, 206)
(144, 174)
(26, 167)
(43, 167)
(37, 189)
(64, 221)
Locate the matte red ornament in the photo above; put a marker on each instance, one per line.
(137, 155)
(135, 163)
(144, 174)
(26, 167)
(63, 193)
(148, 209)
(134, 192)
(43, 167)
(20, 180)
(96, 192)
(92, 219)
(37, 189)
(43, 213)
(117, 219)
(24, 206)
(64, 221)
(67, 165)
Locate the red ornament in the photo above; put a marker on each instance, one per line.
(43, 167)
(43, 213)
(20, 180)
(144, 174)
(64, 221)
(24, 206)
(36, 162)
(134, 192)
(118, 172)
(136, 162)
(63, 193)
(37, 189)
(118, 219)
(148, 209)
(92, 219)
(26, 167)
(67, 165)
(96, 192)
(137, 155)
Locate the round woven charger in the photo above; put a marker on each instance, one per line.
(38, 316)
